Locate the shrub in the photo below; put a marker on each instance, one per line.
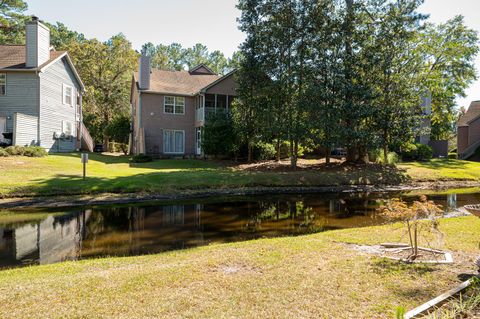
(417, 152)
(264, 151)
(34, 151)
(285, 150)
(392, 158)
(15, 150)
(141, 158)
(119, 131)
(409, 152)
(218, 134)
(3, 153)
(424, 152)
(30, 151)
(452, 155)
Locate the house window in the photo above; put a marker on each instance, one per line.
(174, 105)
(67, 95)
(173, 142)
(3, 83)
(67, 128)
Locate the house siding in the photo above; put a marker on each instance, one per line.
(462, 139)
(227, 86)
(26, 130)
(154, 121)
(474, 131)
(52, 111)
(21, 97)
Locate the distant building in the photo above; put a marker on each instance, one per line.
(40, 95)
(169, 108)
(468, 132)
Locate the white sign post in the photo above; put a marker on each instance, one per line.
(84, 162)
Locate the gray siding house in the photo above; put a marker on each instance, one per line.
(40, 95)
(169, 108)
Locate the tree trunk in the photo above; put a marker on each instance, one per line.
(106, 141)
(352, 154)
(250, 152)
(415, 244)
(362, 155)
(279, 150)
(385, 154)
(328, 153)
(409, 227)
(293, 159)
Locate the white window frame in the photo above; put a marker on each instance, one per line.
(174, 104)
(164, 144)
(64, 95)
(4, 76)
(64, 126)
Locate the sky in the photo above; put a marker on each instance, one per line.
(211, 22)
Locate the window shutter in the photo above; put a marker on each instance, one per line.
(64, 100)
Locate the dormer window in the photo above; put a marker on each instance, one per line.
(3, 84)
(67, 95)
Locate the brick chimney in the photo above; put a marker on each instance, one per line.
(144, 71)
(38, 43)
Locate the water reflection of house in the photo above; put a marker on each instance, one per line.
(52, 240)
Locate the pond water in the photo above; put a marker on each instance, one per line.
(44, 237)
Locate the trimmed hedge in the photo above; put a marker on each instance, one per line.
(29, 151)
(141, 158)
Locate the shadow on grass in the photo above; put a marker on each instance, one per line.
(179, 175)
(385, 266)
(163, 164)
(441, 163)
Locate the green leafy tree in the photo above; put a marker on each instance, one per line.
(218, 134)
(448, 50)
(119, 131)
(61, 37)
(395, 71)
(12, 21)
(248, 112)
(106, 69)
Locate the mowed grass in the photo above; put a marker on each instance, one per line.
(442, 170)
(314, 276)
(62, 175)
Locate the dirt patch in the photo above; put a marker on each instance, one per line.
(232, 269)
(402, 253)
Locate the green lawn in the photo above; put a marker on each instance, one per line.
(314, 276)
(439, 169)
(61, 175)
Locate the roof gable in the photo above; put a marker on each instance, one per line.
(178, 82)
(472, 114)
(13, 58)
(201, 69)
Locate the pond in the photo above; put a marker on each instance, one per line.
(44, 237)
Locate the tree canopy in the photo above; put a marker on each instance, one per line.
(349, 73)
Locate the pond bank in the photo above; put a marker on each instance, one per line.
(73, 200)
(274, 278)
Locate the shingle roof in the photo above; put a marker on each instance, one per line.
(178, 82)
(472, 113)
(14, 57)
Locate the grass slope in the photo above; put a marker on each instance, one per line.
(61, 175)
(313, 276)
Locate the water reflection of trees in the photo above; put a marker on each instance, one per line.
(118, 231)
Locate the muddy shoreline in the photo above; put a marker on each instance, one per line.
(64, 201)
